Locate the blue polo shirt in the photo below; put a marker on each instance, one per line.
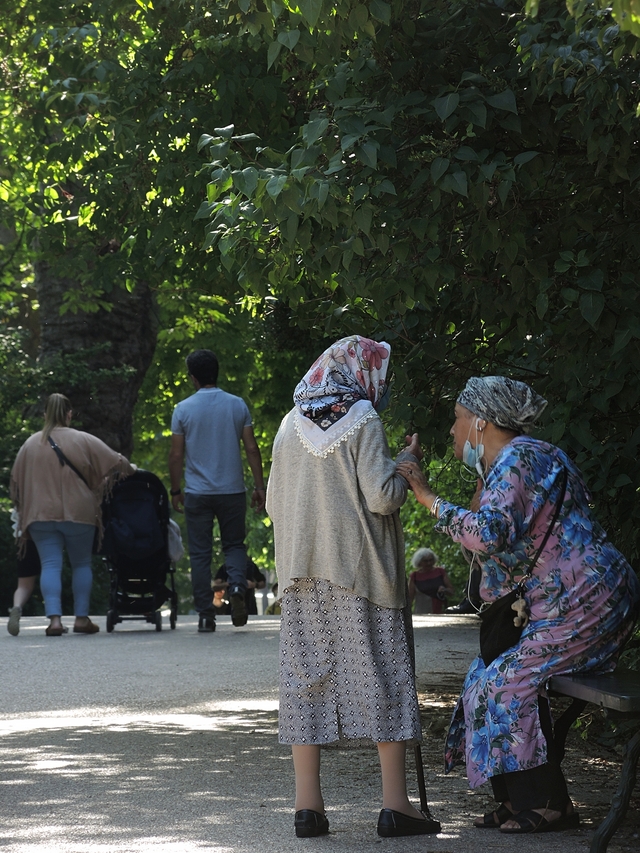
(212, 421)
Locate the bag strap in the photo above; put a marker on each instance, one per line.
(558, 507)
(65, 461)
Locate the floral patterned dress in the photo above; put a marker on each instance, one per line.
(583, 598)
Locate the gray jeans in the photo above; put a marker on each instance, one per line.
(200, 512)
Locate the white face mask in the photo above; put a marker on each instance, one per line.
(471, 456)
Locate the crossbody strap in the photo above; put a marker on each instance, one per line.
(559, 502)
(65, 461)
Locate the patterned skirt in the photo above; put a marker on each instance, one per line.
(346, 668)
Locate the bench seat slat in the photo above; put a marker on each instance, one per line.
(619, 691)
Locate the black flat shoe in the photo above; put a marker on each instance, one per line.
(308, 824)
(392, 824)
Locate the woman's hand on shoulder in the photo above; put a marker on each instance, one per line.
(417, 480)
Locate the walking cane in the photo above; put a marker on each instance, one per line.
(417, 749)
(424, 806)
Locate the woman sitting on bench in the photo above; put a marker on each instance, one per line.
(581, 599)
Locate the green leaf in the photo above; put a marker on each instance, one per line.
(368, 153)
(225, 132)
(542, 303)
(291, 229)
(363, 217)
(204, 211)
(591, 306)
(310, 11)
(380, 11)
(272, 53)
(459, 182)
(487, 170)
(312, 131)
(289, 38)
(218, 152)
(622, 338)
(323, 192)
(438, 168)
(465, 153)
(359, 15)
(525, 157)
(275, 185)
(386, 186)
(246, 181)
(205, 139)
(504, 188)
(477, 111)
(447, 105)
(569, 294)
(335, 164)
(504, 101)
(579, 428)
(622, 480)
(593, 281)
(348, 140)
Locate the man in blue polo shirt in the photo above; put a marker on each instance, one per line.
(207, 429)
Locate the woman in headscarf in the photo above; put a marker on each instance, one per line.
(57, 483)
(429, 584)
(346, 668)
(582, 599)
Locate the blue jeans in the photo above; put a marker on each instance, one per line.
(200, 512)
(51, 537)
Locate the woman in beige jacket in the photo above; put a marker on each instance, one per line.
(346, 669)
(57, 483)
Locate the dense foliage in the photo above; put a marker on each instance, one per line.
(466, 182)
(455, 177)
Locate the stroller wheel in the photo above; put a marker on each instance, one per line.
(172, 620)
(158, 620)
(111, 620)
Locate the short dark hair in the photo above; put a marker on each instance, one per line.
(203, 366)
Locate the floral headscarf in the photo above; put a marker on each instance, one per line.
(504, 402)
(352, 369)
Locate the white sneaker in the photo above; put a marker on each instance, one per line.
(13, 625)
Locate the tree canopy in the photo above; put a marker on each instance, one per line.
(465, 182)
(456, 177)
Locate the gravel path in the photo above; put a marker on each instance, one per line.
(167, 742)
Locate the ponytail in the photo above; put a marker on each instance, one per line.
(55, 414)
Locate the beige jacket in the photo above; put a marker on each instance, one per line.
(44, 490)
(337, 517)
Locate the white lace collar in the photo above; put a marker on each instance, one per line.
(321, 442)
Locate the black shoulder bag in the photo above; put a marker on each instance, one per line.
(500, 628)
(63, 460)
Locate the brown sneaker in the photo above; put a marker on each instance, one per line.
(89, 628)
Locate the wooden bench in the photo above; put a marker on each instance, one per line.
(618, 691)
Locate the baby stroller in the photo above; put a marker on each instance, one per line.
(135, 518)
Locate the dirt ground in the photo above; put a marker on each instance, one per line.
(592, 770)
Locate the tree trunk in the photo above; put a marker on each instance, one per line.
(97, 359)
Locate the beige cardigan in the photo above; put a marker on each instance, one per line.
(337, 517)
(44, 490)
